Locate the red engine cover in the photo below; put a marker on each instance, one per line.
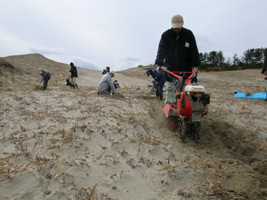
(184, 105)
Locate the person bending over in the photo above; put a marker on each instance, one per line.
(160, 81)
(106, 85)
(45, 77)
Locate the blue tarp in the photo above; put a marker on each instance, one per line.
(262, 95)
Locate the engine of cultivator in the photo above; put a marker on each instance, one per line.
(186, 114)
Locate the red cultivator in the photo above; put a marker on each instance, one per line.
(191, 105)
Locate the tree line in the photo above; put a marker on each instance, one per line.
(251, 59)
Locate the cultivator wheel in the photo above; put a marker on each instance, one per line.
(196, 131)
(172, 125)
(183, 128)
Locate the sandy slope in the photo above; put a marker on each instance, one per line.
(73, 144)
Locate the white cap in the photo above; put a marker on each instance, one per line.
(177, 21)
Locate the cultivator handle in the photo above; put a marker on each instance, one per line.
(176, 74)
(187, 78)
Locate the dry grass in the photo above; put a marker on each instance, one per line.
(56, 134)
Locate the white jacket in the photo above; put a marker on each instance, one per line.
(105, 83)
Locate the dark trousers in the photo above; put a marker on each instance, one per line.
(159, 90)
(46, 79)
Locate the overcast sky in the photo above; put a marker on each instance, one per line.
(125, 33)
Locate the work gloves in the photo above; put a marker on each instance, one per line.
(161, 69)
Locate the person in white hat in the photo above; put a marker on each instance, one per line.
(177, 51)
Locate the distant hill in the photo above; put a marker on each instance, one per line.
(29, 63)
(23, 70)
(20, 71)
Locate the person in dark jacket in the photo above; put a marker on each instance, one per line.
(107, 70)
(264, 72)
(74, 75)
(160, 81)
(177, 51)
(45, 77)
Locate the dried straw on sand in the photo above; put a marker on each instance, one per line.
(74, 144)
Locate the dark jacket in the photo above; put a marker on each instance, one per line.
(265, 59)
(104, 71)
(159, 77)
(178, 51)
(73, 71)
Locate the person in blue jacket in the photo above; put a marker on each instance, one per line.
(45, 77)
(160, 79)
(107, 70)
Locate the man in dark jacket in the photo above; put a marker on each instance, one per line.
(74, 75)
(160, 81)
(177, 51)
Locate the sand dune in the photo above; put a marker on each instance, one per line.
(74, 144)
